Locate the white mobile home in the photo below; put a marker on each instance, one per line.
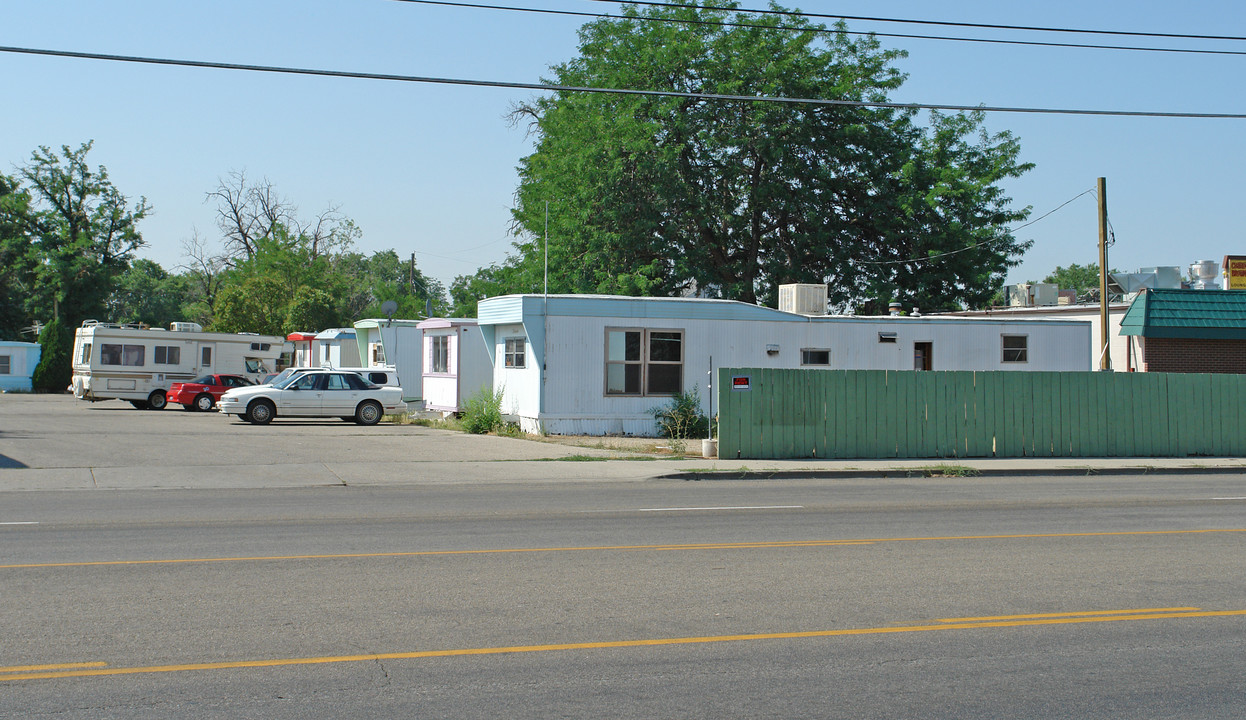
(398, 344)
(18, 361)
(456, 363)
(338, 348)
(596, 365)
(138, 364)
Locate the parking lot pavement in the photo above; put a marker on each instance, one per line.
(55, 442)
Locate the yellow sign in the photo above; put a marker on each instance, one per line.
(1235, 271)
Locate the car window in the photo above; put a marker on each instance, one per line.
(307, 382)
(378, 378)
(338, 382)
(356, 382)
(204, 380)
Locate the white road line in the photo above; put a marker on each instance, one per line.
(1234, 498)
(19, 523)
(746, 507)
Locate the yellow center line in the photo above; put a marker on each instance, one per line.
(1066, 615)
(62, 666)
(617, 644)
(616, 548)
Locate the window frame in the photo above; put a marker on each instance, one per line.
(804, 357)
(515, 359)
(439, 350)
(172, 355)
(1024, 350)
(6, 364)
(645, 361)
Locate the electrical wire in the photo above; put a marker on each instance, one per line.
(545, 87)
(941, 23)
(827, 31)
(937, 256)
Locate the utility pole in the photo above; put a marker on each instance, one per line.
(1105, 354)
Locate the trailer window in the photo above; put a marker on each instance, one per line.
(440, 362)
(1015, 348)
(644, 362)
(815, 356)
(168, 355)
(515, 353)
(6, 364)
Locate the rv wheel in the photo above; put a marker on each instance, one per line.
(157, 400)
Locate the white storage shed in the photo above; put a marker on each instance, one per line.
(398, 344)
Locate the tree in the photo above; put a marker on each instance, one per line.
(54, 371)
(147, 293)
(85, 233)
(249, 213)
(653, 195)
(1081, 278)
(18, 259)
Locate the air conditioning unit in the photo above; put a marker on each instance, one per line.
(185, 327)
(803, 299)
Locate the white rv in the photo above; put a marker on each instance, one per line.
(138, 364)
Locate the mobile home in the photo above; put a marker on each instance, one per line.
(596, 365)
(18, 361)
(456, 363)
(138, 364)
(398, 344)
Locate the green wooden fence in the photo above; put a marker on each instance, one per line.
(768, 413)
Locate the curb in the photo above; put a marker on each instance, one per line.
(934, 472)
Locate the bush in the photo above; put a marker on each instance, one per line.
(681, 418)
(54, 371)
(483, 413)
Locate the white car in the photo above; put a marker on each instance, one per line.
(314, 394)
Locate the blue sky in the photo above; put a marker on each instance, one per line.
(430, 169)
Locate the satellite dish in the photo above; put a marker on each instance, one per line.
(388, 308)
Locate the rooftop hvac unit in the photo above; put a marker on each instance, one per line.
(1205, 275)
(803, 299)
(185, 327)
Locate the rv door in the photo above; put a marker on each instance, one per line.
(207, 356)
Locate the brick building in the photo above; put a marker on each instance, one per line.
(1192, 331)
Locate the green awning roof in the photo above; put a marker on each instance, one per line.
(1193, 314)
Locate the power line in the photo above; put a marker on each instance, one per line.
(544, 87)
(828, 31)
(941, 23)
(937, 256)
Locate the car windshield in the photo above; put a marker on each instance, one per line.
(281, 382)
(205, 380)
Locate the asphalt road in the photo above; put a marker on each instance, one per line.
(927, 598)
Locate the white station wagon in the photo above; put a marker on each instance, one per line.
(314, 394)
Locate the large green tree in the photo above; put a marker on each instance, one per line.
(84, 230)
(665, 195)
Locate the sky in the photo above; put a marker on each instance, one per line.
(430, 169)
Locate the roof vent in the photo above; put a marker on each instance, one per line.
(803, 299)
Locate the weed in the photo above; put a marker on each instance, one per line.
(681, 418)
(950, 471)
(483, 413)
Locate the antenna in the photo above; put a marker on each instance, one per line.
(388, 308)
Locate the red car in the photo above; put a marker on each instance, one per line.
(203, 392)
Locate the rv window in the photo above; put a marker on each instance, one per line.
(809, 356)
(644, 362)
(440, 362)
(168, 355)
(110, 354)
(1015, 348)
(262, 347)
(515, 352)
(5, 364)
(86, 354)
(133, 355)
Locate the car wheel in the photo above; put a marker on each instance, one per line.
(204, 402)
(139, 404)
(157, 400)
(260, 412)
(369, 413)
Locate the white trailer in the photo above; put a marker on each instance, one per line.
(457, 364)
(138, 364)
